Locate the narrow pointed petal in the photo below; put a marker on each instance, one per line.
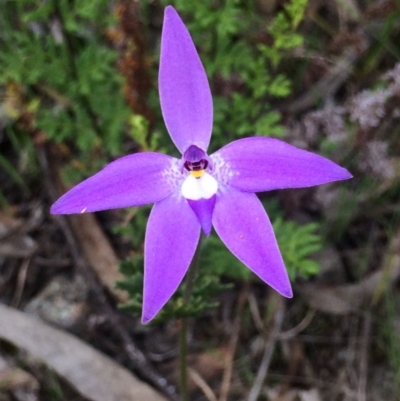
(262, 164)
(172, 236)
(185, 95)
(243, 225)
(204, 209)
(132, 180)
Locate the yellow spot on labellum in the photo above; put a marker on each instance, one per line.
(197, 174)
(83, 210)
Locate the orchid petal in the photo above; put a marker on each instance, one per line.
(132, 180)
(172, 236)
(185, 95)
(263, 164)
(204, 209)
(243, 225)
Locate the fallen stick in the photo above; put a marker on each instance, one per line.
(94, 375)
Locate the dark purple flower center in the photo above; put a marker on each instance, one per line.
(195, 159)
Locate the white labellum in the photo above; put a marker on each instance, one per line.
(199, 188)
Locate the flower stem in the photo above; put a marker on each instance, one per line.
(183, 359)
(183, 343)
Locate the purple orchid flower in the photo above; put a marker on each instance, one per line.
(199, 191)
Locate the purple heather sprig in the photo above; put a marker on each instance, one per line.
(199, 191)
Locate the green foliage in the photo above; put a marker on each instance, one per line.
(22, 149)
(206, 287)
(52, 389)
(227, 49)
(134, 231)
(139, 131)
(12, 172)
(58, 52)
(225, 33)
(297, 243)
(217, 259)
(295, 11)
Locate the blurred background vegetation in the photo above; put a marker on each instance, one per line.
(78, 81)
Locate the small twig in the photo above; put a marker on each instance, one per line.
(366, 337)
(23, 271)
(294, 353)
(269, 348)
(7, 274)
(190, 280)
(164, 356)
(202, 384)
(327, 85)
(255, 312)
(183, 346)
(23, 226)
(301, 53)
(52, 93)
(349, 375)
(227, 375)
(137, 360)
(299, 328)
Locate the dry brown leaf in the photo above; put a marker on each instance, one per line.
(95, 246)
(94, 375)
(349, 298)
(207, 365)
(98, 252)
